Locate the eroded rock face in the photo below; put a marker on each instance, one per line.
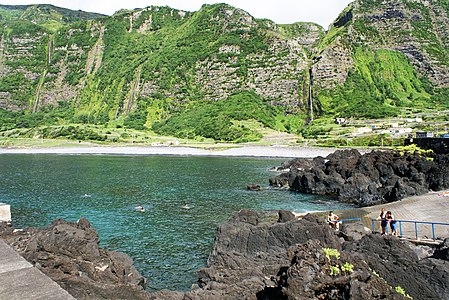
(310, 276)
(256, 257)
(397, 263)
(368, 179)
(69, 253)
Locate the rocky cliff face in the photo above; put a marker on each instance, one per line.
(26, 48)
(74, 61)
(155, 60)
(418, 29)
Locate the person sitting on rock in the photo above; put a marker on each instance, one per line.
(393, 223)
(333, 220)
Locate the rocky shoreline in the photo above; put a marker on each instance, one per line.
(274, 255)
(372, 178)
(256, 255)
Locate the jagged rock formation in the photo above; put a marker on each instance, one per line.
(255, 256)
(372, 178)
(69, 254)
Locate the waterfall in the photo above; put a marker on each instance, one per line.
(314, 61)
(38, 91)
(310, 92)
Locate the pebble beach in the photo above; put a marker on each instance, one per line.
(243, 151)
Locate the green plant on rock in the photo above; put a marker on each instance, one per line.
(347, 268)
(402, 292)
(331, 252)
(412, 149)
(335, 270)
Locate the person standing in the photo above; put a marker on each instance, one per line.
(393, 223)
(383, 220)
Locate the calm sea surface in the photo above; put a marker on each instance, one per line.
(167, 243)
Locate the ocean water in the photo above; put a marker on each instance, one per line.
(167, 243)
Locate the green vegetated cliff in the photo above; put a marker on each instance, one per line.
(381, 56)
(219, 72)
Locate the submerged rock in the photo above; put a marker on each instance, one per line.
(253, 187)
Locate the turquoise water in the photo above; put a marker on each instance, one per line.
(167, 243)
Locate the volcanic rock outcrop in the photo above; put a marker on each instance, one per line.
(69, 254)
(372, 178)
(256, 255)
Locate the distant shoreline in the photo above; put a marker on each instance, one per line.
(237, 151)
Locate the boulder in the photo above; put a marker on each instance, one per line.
(397, 263)
(354, 231)
(443, 251)
(313, 275)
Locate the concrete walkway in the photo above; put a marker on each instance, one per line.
(430, 207)
(19, 280)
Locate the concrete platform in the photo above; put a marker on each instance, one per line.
(430, 207)
(19, 280)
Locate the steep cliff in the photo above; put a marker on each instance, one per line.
(382, 55)
(149, 68)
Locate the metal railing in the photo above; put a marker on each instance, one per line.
(351, 220)
(416, 229)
